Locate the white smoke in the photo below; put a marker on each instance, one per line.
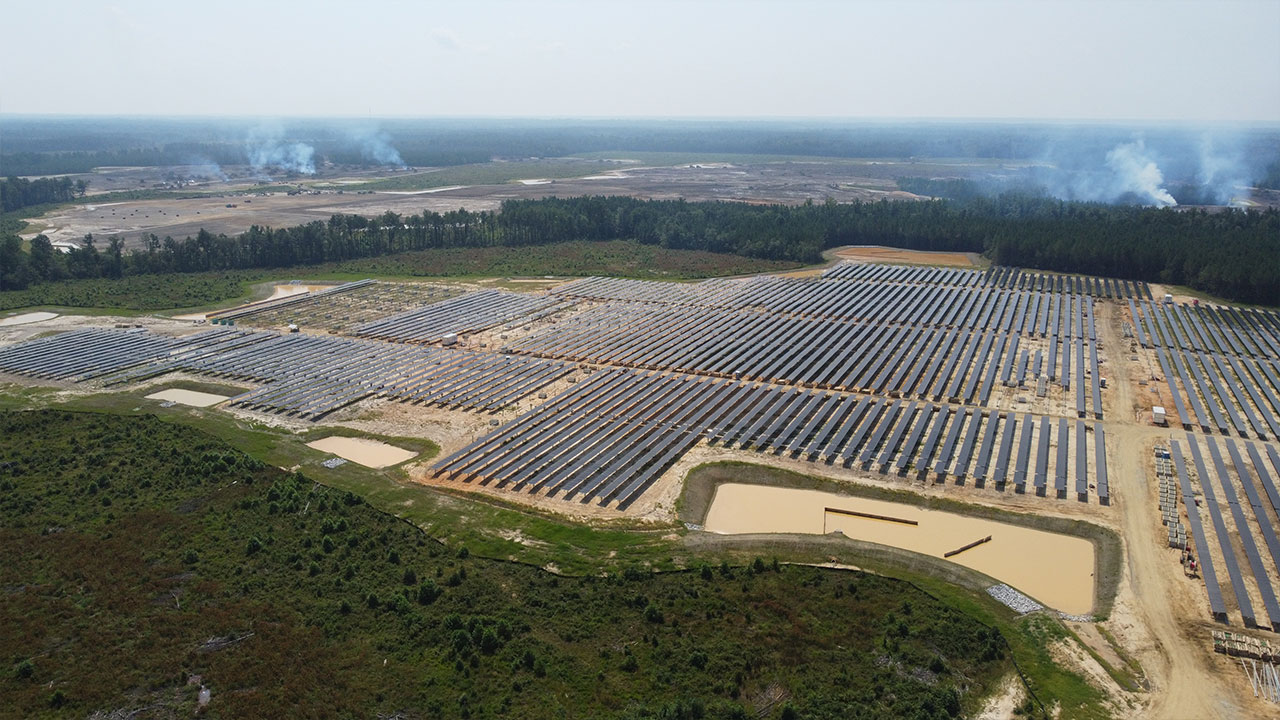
(1137, 174)
(267, 150)
(1222, 173)
(204, 167)
(375, 146)
(1127, 173)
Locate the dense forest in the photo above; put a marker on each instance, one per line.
(1229, 253)
(18, 192)
(143, 560)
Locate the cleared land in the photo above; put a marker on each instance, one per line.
(593, 398)
(231, 207)
(369, 453)
(876, 253)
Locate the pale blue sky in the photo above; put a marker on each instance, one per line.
(1138, 60)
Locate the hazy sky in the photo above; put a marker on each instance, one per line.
(1163, 60)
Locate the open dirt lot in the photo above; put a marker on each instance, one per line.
(232, 206)
(876, 253)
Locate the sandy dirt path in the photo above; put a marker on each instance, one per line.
(1182, 683)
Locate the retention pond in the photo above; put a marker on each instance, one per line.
(1056, 569)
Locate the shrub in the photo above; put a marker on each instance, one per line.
(653, 613)
(428, 591)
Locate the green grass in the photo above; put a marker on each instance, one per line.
(138, 553)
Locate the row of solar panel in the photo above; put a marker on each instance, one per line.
(959, 365)
(1260, 513)
(471, 312)
(306, 376)
(613, 435)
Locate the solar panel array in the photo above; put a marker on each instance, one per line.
(355, 305)
(931, 342)
(889, 369)
(1222, 365)
(1234, 520)
(304, 376)
(998, 276)
(610, 437)
(471, 312)
(81, 355)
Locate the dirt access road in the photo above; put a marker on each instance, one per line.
(1183, 682)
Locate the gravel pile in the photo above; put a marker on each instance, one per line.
(1013, 599)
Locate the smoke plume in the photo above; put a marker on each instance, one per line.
(1136, 174)
(267, 150)
(205, 167)
(1222, 171)
(375, 146)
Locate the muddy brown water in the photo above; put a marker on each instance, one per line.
(1055, 569)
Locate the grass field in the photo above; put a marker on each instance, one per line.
(144, 559)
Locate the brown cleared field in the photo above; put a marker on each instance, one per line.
(896, 256)
(233, 205)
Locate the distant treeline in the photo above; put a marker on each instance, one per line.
(16, 193)
(1231, 253)
(206, 154)
(44, 146)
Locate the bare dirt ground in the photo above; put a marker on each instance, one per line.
(879, 254)
(1157, 609)
(240, 205)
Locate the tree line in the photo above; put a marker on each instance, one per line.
(1229, 253)
(17, 193)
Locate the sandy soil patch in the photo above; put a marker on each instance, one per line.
(428, 191)
(878, 254)
(187, 397)
(25, 318)
(1002, 704)
(369, 453)
(1055, 569)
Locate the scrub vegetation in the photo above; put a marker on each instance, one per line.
(284, 596)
